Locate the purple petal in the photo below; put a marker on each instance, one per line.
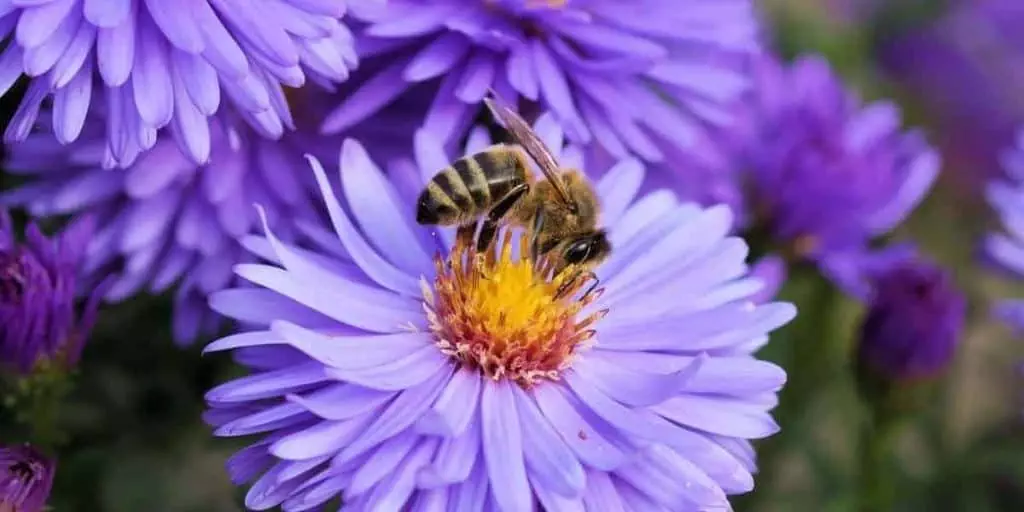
(549, 459)
(455, 459)
(151, 83)
(342, 401)
(586, 441)
(452, 412)
(375, 267)
(176, 23)
(504, 456)
(401, 413)
(719, 416)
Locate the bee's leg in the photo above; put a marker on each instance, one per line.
(464, 234)
(500, 208)
(538, 225)
(565, 286)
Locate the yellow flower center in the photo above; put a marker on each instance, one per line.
(509, 317)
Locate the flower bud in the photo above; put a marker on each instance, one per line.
(914, 320)
(39, 322)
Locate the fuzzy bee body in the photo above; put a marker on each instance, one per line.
(561, 211)
(467, 189)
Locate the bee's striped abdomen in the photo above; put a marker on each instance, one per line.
(470, 186)
(474, 177)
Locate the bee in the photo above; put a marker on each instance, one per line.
(561, 210)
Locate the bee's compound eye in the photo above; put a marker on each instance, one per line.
(578, 251)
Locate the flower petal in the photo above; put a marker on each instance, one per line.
(504, 440)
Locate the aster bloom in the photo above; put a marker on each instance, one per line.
(165, 220)
(155, 64)
(38, 283)
(637, 77)
(1005, 249)
(465, 381)
(914, 321)
(828, 174)
(26, 476)
(978, 50)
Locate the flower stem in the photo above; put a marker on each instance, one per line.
(876, 481)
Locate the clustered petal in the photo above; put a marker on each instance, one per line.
(353, 397)
(156, 64)
(828, 174)
(638, 77)
(26, 476)
(38, 285)
(165, 220)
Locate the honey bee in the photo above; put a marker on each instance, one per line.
(561, 211)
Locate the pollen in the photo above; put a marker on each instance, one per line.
(510, 318)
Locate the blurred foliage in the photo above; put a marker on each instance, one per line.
(134, 439)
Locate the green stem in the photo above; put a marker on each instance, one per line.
(876, 487)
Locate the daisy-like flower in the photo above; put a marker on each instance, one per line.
(636, 77)
(395, 368)
(26, 476)
(39, 320)
(1005, 249)
(164, 219)
(827, 173)
(156, 63)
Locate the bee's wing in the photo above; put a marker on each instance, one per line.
(528, 140)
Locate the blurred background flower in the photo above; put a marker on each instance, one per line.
(641, 78)
(38, 285)
(165, 220)
(959, 60)
(155, 64)
(26, 476)
(824, 173)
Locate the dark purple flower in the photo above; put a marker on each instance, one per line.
(637, 77)
(390, 369)
(165, 220)
(157, 63)
(914, 321)
(26, 476)
(39, 283)
(827, 173)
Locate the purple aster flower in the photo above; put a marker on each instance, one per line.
(913, 325)
(466, 382)
(38, 284)
(977, 48)
(156, 63)
(164, 219)
(827, 173)
(26, 476)
(1006, 249)
(638, 77)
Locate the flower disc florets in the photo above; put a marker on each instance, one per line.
(509, 317)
